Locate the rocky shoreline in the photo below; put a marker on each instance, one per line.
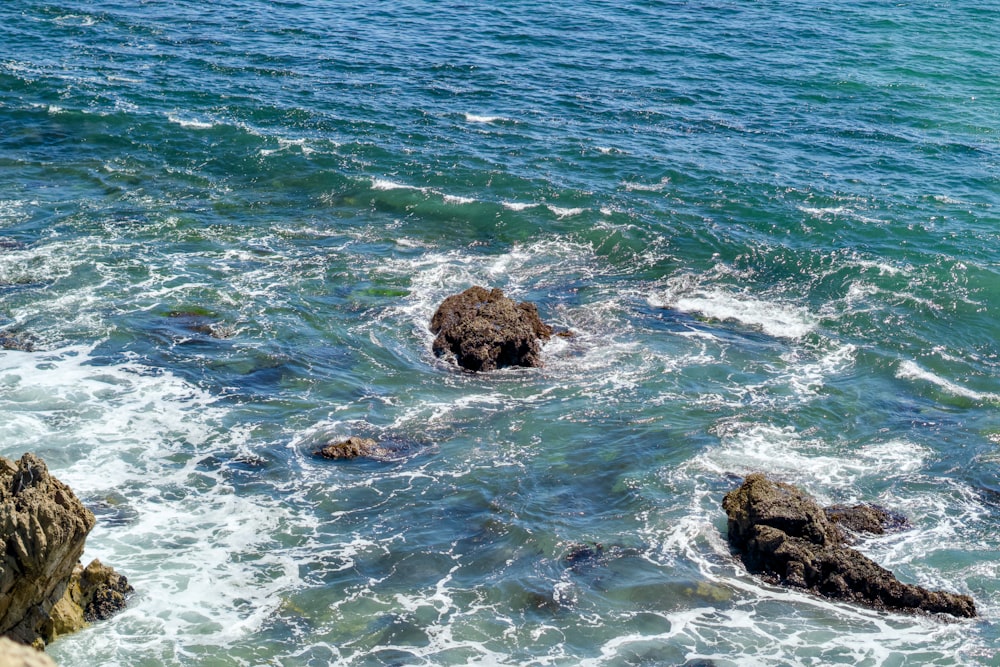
(777, 530)
(45, 592)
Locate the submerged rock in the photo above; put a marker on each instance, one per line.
(43, 526)
(353, 448)
(782, 533)
(486, 330)
(866, 518)
(202, 323)
(583, 554)
(17, 341)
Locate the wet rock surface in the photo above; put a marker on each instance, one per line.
(94, 593)
(780, 532)
(484, 330)
(354, 448)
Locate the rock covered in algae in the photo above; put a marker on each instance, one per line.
(484, 330)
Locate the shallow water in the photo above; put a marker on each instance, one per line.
(772, 228)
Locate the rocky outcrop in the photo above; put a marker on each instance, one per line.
(43, 526)
(13, 654)
(782, 533)
(353, 448)
(484, 330)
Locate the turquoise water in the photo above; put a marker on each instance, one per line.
(772, 226)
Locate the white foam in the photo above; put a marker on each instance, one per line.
(83, 21)
(198, 553)
(517, 206)
(910, 370)
(564, 212)
(775, 318)
(833, 211)
(476, 118)
(286, 144)
(659, 186)
(190, 123)
(455, 199)
(13, 210)
(386, 184)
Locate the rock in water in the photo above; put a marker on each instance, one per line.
(781, 532)
(94, 593)
(485, 330)
(353, 448)
(43, 526)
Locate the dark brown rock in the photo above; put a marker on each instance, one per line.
(485, 330)
(353, 448)
(202, 323)
(782, 533)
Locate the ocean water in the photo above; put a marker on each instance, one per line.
(774, 228)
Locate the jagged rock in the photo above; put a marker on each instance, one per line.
(43, 526)
(485, 330)
(782, 533)
(13, 654)
(353, 448)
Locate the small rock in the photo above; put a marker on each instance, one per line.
(353, 448)
(202, 323)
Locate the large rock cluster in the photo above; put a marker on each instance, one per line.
(43, 527)
(486, 330)
(782, 533)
